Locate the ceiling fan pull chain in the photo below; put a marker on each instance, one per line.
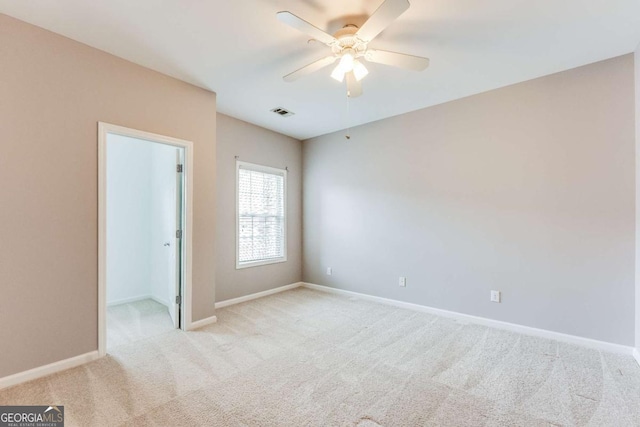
(348, 135)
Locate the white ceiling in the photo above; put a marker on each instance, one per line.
(238, 49)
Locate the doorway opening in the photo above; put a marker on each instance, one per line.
(144, 235)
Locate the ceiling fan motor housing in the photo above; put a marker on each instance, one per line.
(347, 40)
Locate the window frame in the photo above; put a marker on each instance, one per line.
(265, 169)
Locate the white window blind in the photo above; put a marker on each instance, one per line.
(261, 222)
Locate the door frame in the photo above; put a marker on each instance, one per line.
(185, 310)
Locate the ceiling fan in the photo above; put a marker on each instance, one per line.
(350, 44)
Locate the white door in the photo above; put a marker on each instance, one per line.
(168, 184)
(178, 199)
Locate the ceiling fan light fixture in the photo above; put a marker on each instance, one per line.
(338, 74)
(347, 60)
(359, 70)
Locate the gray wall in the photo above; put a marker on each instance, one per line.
(256, 145)
(53, 93)
(529, 189)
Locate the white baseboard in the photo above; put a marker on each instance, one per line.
(201, 323)
(52, 368)
(257, 295)
(526, 330)
(636, 355)
(138, 298)
(128, 300)
(159, 300)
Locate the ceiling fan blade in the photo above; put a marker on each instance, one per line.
(410, 62)
(301, 25)
(386, 13)
(354, 87)
(308, 69)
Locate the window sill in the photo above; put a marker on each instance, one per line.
(259, 263)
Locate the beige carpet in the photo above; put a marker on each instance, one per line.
(309, 358)
(135, 321)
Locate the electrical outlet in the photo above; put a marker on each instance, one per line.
(495, 296)
(403, 282)
(329, 271)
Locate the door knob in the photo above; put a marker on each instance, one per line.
(167, 244)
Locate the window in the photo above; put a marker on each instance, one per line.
(261, 194)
